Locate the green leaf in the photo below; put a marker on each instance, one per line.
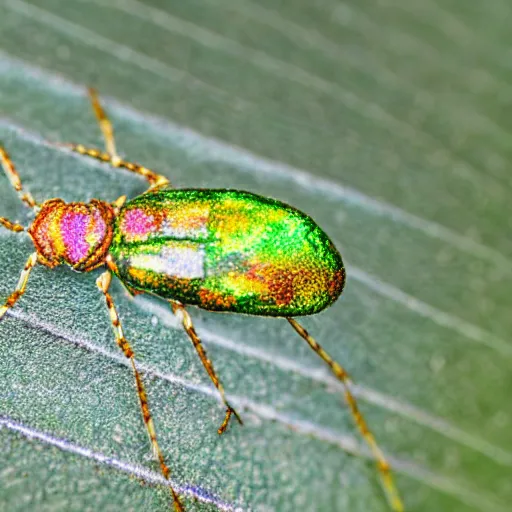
(388, 123)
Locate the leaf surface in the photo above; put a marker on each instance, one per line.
(387, 123)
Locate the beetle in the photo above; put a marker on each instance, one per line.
(217, 249)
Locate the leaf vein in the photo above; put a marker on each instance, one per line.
(349, 444)
(371, 110)
(136, 470)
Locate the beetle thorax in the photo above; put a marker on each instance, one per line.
(75, 234)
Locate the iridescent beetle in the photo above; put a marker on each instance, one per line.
(220, 250)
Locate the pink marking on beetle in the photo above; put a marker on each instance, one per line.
(73, 228)
(76, 234)
(138, 225)
(97, 228)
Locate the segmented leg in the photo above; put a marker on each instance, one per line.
(155, 180)
(104, 122)
(180, 311)
(12, 226)
(22, 284)
(103, 283)
(382, 464)
(110, 156)
(14, 178)
(118, 203)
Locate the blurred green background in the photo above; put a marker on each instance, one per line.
(389, 122)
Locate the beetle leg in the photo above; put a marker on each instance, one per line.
(14, 178)
(118, 204)
(105, 124)
(110, 156)
(22, 284)
(12, 226)
(180, 311)
(103, 283)
(155, 180)
(340, 373)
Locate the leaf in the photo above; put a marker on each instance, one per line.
(386, 122)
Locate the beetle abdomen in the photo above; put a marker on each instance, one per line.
(226, 250)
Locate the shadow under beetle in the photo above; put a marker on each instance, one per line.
(220, 250)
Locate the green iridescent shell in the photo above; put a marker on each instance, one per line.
(226, 250)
